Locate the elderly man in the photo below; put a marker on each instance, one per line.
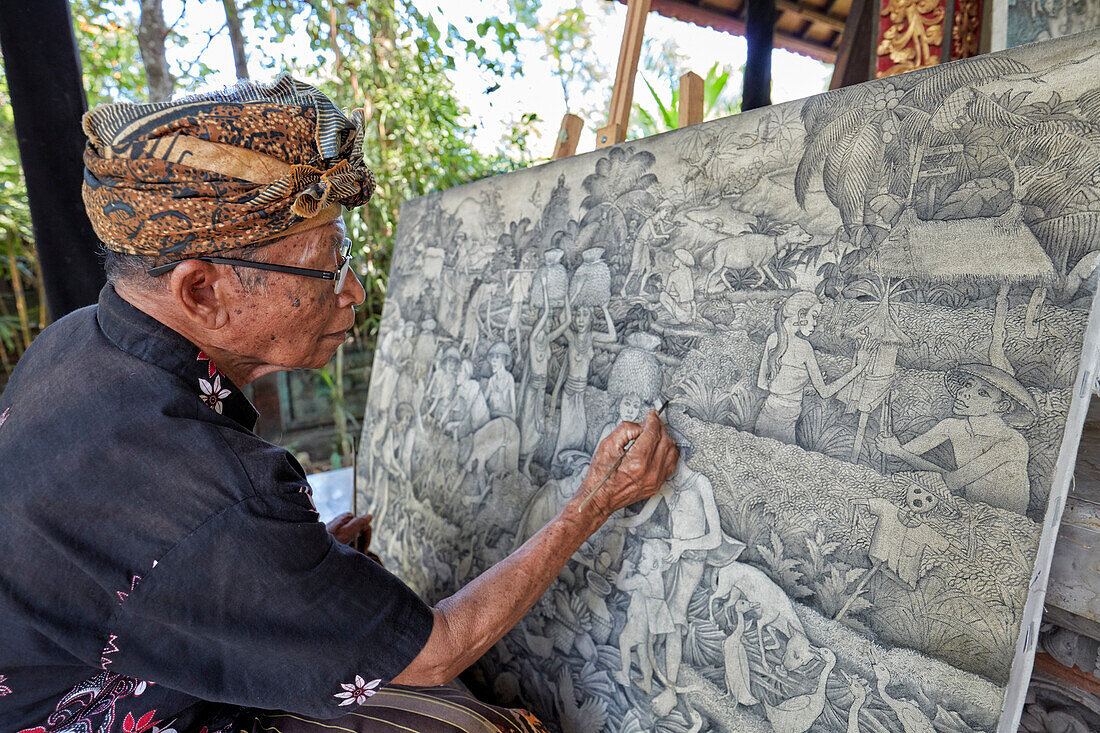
(163, 567)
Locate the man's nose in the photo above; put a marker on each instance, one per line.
(353, 293)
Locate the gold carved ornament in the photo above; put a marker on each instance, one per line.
(915, 27)
(966, 30)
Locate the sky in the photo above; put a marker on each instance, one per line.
(536, 90)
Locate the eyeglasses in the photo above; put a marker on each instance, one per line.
(339, 275)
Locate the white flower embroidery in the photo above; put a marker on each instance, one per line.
(357, 692)
(213, 393)
(4, 416)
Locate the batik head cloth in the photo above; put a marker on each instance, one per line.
(222, 169)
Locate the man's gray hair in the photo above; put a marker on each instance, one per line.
(132, 270)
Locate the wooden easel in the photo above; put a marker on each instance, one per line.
(622, 93)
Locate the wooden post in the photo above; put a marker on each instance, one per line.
(568, 136)
(760, 35)
(855, 60)
(622, 94)
(47, 106)
(691, 99)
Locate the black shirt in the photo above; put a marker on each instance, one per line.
(160, 564)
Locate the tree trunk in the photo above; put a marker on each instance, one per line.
(152, 33)
(236, 37)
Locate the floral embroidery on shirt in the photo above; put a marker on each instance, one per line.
(145, 722)
(358, 691)
(211, 368)
(308, 491)
(4, 416)
(4, 689)
(213, 393)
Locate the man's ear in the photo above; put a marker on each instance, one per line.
(202, 293)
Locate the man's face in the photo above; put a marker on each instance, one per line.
(976, 397)
(291, 321)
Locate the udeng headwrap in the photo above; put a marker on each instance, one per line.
(222, 169)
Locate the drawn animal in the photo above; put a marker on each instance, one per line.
(754, 250)
(736, 660)
(911, 717)
(777, 612)
(699, 230)
(493, 448)
(859, 689)
(797, 714)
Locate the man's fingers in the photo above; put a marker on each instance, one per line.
(620, 436)
(652, 432)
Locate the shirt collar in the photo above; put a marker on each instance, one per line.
(139, 334)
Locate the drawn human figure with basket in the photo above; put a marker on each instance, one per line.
(573, 425)
(990, 454)
(533, 405)
(789, 364)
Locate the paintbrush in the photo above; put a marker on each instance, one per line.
(615, 467)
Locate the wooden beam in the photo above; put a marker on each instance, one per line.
(568, 136)
(719, 21)
(622, 94)
(691, 99)
(811, 14)
(855, 61)
(759, 32)
(610, 135)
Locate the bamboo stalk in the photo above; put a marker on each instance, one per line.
(41, 285)
(20, 298)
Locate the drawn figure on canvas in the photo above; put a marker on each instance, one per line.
(441, 385)
(648, 614)
(735, 658)
(652, 234)
(553, 495)
(991, 455)
(468, 410)
(632, 408)
(909, 714)
(391, 453)
(776, 618)
(573, 426)
(500, 391)
(519, 286)
(394, 354)
(533, 407)
(789, 364)
(901, 535)
(678, 296)
(695, 540)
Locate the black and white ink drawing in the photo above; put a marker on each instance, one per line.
(1029, 21)
(868, 309)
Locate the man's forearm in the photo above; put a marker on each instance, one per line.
(468, 623)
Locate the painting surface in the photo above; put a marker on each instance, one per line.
(868, 310)
(1040, 20)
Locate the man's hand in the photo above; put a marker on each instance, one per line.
(649, 461)
(346, 529)
(889, 445)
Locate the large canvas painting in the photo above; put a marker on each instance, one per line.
(868, 310)
(1029, 21)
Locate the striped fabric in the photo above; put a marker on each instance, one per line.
(398, 708)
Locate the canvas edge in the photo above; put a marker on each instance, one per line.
(1026, 643)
